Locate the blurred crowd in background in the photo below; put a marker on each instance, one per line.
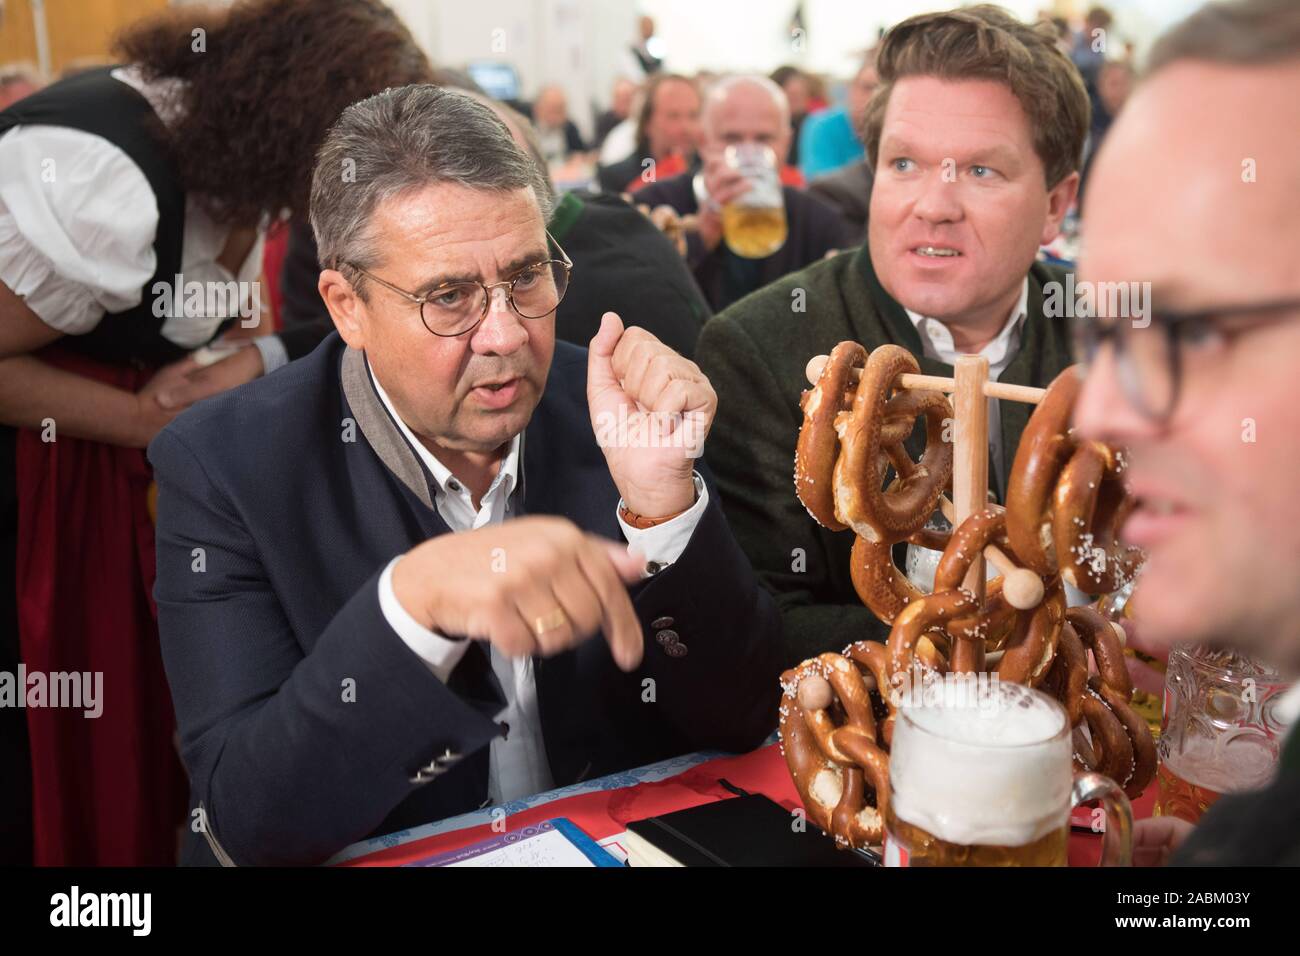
(661, 137)
(692, 190)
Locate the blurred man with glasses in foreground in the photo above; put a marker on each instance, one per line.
(379, 570)
(1197, 191)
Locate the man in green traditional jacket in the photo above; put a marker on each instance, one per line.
(975, 135)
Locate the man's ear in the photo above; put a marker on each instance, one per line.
(1059, 200)
(344, 307)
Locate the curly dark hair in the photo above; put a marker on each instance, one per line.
(263, 86)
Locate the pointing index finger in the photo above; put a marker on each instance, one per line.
(619, 622)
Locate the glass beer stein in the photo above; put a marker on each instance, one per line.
(981, 774)
(1221, 731)
(921, 562)
(754, 225)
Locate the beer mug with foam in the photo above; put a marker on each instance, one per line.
(981, 774)
(754, 225)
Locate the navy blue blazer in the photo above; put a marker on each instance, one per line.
(305, 720)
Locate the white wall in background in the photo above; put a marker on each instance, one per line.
(755, 34)
(1144, 20)
(575, 43)
(581, 44)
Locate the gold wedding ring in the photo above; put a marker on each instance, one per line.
(550, 622)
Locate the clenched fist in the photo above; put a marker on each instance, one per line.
(651, 410)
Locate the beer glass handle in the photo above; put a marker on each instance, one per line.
(1117, 844)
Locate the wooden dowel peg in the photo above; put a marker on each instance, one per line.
(937, 383)
(1022, 588)
(1028, 394)
(970, 473)
(813, 370)
(925, 383)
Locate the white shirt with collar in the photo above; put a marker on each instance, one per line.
(517, 762)
(937, 342)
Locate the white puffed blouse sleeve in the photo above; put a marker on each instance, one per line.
(77, 225)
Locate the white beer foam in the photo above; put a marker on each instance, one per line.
(986, 766)
(1239, 760)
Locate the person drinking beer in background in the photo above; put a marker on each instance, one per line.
(749, 114)
(1204, 396)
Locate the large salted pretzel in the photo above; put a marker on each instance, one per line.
(1066, 502)
(1119, 744)
(829, 738)
(836, 723)
(853, 430)
(1065, 498)
(855, 420)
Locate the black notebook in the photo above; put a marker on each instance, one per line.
(749, 830)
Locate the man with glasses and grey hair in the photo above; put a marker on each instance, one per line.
(1203, 391)
(380, 569)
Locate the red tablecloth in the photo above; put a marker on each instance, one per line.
(604, 813)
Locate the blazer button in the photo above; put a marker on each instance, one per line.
(438, 765)
(666, 637)
(675, 650)
(661, 622)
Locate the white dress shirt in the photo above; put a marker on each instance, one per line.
(517, 762)
(77, 225)
(619, 144)
(936, 340)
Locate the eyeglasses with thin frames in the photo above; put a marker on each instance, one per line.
(1149, 358)
(456, 308)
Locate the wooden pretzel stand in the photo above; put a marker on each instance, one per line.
(836, 724)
